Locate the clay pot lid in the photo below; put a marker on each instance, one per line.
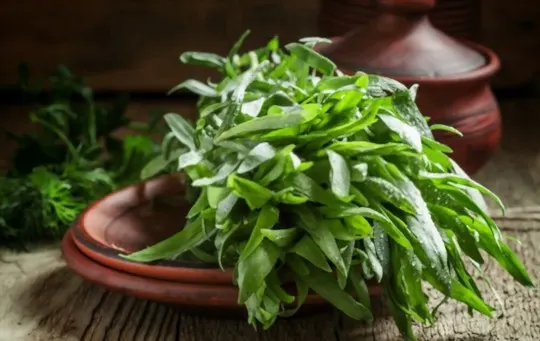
(402, 42)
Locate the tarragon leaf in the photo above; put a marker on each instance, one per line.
(222, 174)
(340, 177)
(423, 228)
(190, 236)
(325, 285)
(190, 158)
(311, 41)
(321, 236)
(312, 58)
(408, 110)
(267, 218)
(253, 270)
(196, 87)
(225, 207)
(500, 252)
(202, 58)
(271, 122)
(253, 108)
(449, 219)
(407, 133)
(381, 86)
(181, 129)
(445, 128)
(159, 163)
(258, 155)
(367, 148)
(256, 196)
(306, 248)
(388, 225)
(282, 237)
(389, 192)
(462, 180)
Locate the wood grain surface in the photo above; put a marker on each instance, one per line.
(40, 299)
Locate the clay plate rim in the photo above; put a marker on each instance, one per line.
(182, 272)
(179, 271)
(189, 294)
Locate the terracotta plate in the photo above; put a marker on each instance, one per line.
(192, 297)
(139, 215)
(135, 217)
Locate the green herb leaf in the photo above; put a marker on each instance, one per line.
(388, 192)
(258, 155)
(449, 220)
(454, 178)
(199, 205)
(311, 58)
(307, 249)
(196, 87)
(408, 110)
(267, 218)
(282, 237)
(191, 236)
(325, 285)
(407, 133)
(340, 177)
(294, 117)
(225, 207)
(425, 231)
(354, 148)
(183, 131)
(321, 236)
(159, 164)
(253, 270)
(221, 175)
(255, 195)
(202, 58)
(191, 158)
(445, 128)
(373, 260)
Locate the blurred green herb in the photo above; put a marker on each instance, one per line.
(70, 158)
(332, 179)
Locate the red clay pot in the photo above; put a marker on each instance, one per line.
(458, 18)
(453, 75)
(141, 215)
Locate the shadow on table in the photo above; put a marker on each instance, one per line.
(65, 307)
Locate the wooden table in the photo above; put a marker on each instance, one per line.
(41, 299)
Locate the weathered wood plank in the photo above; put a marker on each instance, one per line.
(43, 300)
(518, 308)
(40, 299)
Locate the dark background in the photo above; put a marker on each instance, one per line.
(133, 45)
